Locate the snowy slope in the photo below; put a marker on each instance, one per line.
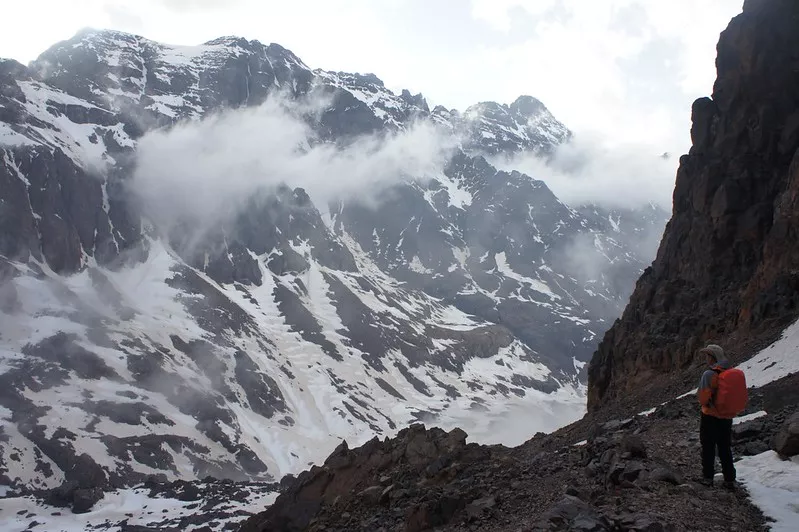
(203, 506)
(775, 361)
(304, 400)
(253, 351)
(46, 116)
(773, 484)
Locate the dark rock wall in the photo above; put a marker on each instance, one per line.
(727, 267)
(53, 209)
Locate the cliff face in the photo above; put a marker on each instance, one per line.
(728, 265)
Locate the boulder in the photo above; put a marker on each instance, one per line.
(371, 494)
(786, 442)
(744, 431)
(432, 513)
(663, 474)
(62, 496)
(634, 445)
(641, 523)
(84, 500)
(479, 507)
(617, 424)
(753, 448)
(573, 514)
(633, 470)
(87, 473)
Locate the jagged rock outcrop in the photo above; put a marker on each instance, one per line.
(728, 265)
(421, 453)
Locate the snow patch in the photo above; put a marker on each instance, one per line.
(132, 507)
(773, 485)
(504, 268)
(775, 361)
(749, 417)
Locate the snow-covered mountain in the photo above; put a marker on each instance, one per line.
(129, 349)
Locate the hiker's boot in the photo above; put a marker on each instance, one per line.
(708, 482)
(729, 485)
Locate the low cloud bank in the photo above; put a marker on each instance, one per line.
(586, 170)
(206, 171)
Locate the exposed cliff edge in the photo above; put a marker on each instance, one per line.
(728, 265)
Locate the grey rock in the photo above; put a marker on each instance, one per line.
(83, 500)
(786, 441)
(642, 523)
(573, 514)
(747, 430)
(633, 470)
(63, 495)
(480, 507)
(386, 492)
(617, 424)
(634, 445)
(663, 474)
(753, 448)
(615, 473)
(372, 494)
(398, 494)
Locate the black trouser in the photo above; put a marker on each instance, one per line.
(716, 432)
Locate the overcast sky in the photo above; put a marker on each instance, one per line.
(627, 70)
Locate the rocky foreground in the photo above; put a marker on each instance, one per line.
(633, 474)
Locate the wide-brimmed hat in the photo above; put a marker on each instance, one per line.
(716, 351)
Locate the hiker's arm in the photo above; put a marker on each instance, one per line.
(705, 392)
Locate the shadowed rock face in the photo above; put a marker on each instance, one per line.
(726, 269)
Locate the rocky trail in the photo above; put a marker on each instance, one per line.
(621, 469)
(635, 474)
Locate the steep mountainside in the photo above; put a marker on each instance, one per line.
(248, 349)
(726, 266)
(726, 269)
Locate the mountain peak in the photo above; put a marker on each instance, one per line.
(528, 106)
(230, 39)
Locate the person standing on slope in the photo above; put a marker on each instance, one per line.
(723, 395)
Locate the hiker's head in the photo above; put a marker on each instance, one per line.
(713, 353)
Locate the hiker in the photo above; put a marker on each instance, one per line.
(723, 395)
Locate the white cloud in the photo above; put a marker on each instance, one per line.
(626, 70)
(205, 171)
(589, 171)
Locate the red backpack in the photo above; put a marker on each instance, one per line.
(731, 395)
